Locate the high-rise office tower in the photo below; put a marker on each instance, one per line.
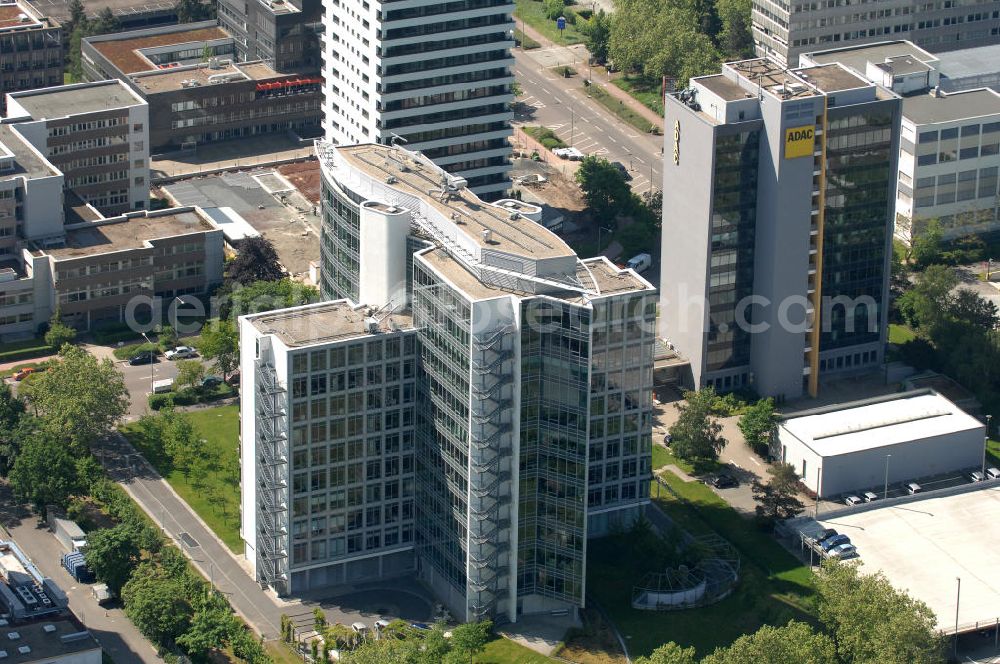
(437, 74)
(784, 29)
(510, 422)
(779, 188)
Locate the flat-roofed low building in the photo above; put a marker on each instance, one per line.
(949, 146)
(31, 51)
(866, 444)
(102, 266)
(197, 92)
(96, 134)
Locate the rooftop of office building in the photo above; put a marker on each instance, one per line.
(925, 108)
(46, 641)
(490, 226)
(24, 159)
(722, 85)
(21, 16)
(858, 57)
(831, 78)
(207, 74)
(967, 62)
(327, 322)
(128, 232)
(68, 100)
(124, 52)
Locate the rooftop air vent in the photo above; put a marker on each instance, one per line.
(49, 628)
(487, 236)
(13, 636)
(24, 650)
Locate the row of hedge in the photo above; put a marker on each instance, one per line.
(190, 396)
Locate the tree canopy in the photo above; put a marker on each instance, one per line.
(45, 470)
(756, 424)
(220, 341)
(111, 554)
(795, 643)
(257, 260)
(79, 398)
(777, 499)
(157, 603)
(696, 436)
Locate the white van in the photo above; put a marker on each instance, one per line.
(161, 386)
(640, 262)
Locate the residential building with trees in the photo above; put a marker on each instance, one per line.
(777, 225)
(530, 419)
(949, 145)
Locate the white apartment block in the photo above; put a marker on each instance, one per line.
(784, 29)
(435, 74)
(949, 147)
(96, 134)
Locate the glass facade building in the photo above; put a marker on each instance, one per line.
(487, 428)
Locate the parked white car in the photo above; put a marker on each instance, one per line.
(568, 153)
(180, 353)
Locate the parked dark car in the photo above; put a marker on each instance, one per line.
(725, 482)
(836, 540)
(825, 534)
(211, 381)
(142, 357)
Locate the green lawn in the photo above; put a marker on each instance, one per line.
(524, 41)
(618, 107)
(532, 12)
(663, 457)
(217, 501)
(505, 651)
(900, 334)
(993, 450)
(645, 90)
(774, 587)
(24, 349)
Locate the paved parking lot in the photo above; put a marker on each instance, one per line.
(925, 546)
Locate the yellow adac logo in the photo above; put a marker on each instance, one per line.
(799, 141)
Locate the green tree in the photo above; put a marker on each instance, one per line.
(112, 554)
(967, 307)
(756, 424)
(11, 422)
(75, 68)
(926, 246)
(189, 11)
(157, 603)
(44, 472)
(598, 32)
(670, 653)
(211, 627)
(177, 437)
(220, 342)
(696, 436)
(603, 186)
(167, 337)
(871, 621)
(77, 15)
(926, 303)
(80, 397)
(554, 8)
(59, 333)
(778, 498)
(248, 648)
(735, 40)
(261, 296)
(106, 22)
(257, 260)
(795, 643)
(471, 638)
(319, 619)
(190, 372)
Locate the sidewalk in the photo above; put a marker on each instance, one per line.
(572, 54)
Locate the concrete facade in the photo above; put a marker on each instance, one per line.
(193, 100)
(949, 154)
(31, 54)
(761, 166)
(96, 134)
(438, 75)
(285, 33)
(784, 29)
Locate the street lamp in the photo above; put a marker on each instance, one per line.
(599, 229)
(885, 491)
(958, 597)
(986, 442)
(151, 361)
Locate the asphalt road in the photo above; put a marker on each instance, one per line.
(561, 104)
(139, 383)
